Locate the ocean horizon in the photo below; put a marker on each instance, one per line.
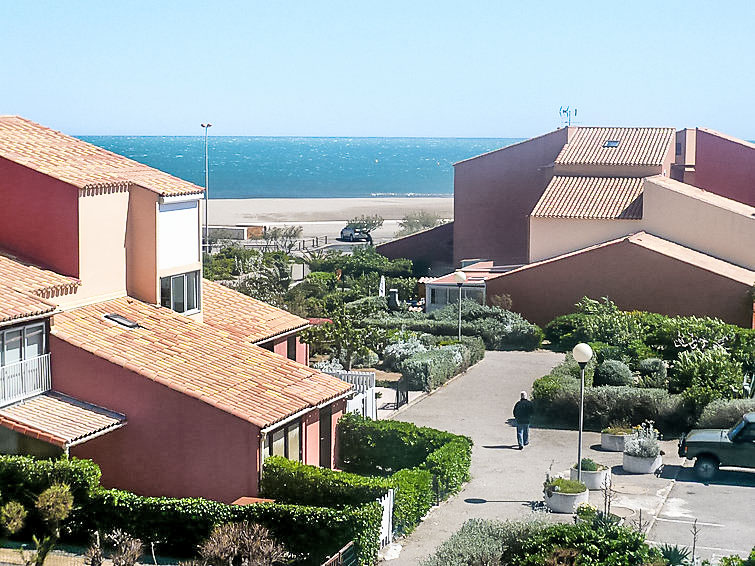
(307, 167)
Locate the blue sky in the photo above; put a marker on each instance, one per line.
(389, 68)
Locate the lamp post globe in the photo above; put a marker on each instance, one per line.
(459, 277)
(582, 354)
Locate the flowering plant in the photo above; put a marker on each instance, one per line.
(644, 441)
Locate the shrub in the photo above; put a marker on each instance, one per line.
(705, 375)
(428, 370)
(644, 442)
(613, 372)
(450, 465)
(412, 499)
(396, 353)
(725, 413)
(364, 358)
(481, 542)
(367, 306)
(287, 481)
(328, 366)
(547, 388)
(617, 430)
(610, 404)
(652, 373)
(590, 465)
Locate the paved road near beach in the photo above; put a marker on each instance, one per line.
(506, 481)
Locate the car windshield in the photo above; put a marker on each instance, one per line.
(734, 431)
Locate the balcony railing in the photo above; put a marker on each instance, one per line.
(24, 379)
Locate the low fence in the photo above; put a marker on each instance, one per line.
(363, 402)
(347, 556)
(23, 379)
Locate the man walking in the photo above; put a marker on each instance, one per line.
(522, 412)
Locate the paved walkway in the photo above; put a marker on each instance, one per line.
(505, 482)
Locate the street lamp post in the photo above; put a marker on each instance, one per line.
(206, 188)
(459, 277)
(582, 354)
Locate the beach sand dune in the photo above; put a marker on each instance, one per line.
(323, 216)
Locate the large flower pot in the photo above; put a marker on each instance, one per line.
(636, 465)
(593, 480)
(612, 442)
(566, 502)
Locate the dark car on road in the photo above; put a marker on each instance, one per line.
(720, 447)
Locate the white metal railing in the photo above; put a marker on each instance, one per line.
(24, 379)
(363, 401)
(361, 380)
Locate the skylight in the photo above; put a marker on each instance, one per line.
(611, 143)
(122, 320)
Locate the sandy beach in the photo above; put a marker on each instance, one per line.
(324, 216)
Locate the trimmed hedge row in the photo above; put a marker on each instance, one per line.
(412, 456)
(725, 413)
(287, 481)
(179, 525)
(430, 369)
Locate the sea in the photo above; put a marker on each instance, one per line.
(307, 167)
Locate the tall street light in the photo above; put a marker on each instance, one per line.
(206, 188)
(582, 354)
(459, 277)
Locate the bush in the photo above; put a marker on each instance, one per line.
(643, 443)
(481, 542)
(412, 499)
(428, 370)
(652, 373)
(450, 465)
(611, 404)
(364, 358)
(725, 413)
(396, 353)
(313, 533)
(367, 306)
(613, 372)
(562, 485)
(287, 481)
(705, 375)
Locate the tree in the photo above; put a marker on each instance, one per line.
(53, 506)
(418, 221)
(282, 238)
(366, 224)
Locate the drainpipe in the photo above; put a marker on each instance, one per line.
(263, 435)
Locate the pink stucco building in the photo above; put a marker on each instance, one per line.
(113, 347)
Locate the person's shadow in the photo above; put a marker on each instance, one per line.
(503, 447)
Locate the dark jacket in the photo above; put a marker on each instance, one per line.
(523, 411)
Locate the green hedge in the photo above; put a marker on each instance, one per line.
(424, 463)
(725, 413)
(610, 405)
(179, 525)
(287, 481)
(425, 371)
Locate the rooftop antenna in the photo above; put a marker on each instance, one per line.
(566, 113)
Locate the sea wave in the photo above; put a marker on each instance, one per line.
(411, 195)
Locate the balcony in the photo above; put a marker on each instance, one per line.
(24, 379)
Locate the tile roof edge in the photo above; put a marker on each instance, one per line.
(727, 137)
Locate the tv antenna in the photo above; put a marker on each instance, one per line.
(566, 113)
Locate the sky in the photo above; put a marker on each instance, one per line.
(391, 68)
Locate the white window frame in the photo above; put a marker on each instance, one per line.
(268, 448)
(24, 329)
(185, 278)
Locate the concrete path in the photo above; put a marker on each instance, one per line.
(505, 481)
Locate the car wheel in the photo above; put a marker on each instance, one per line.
(706, 468)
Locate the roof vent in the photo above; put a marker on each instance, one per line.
(122, 320)
(611, 143)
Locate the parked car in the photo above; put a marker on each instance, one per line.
(350, 234)
(720, 447)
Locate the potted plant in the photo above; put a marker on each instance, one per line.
(612, 438)
(564, 496)
(594, 475)
(642, 451)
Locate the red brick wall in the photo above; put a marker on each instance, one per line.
(39, 218)
(173, 445)
(725, 167)
(495, 193)
(631, 276)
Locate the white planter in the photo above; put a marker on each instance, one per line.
(612, 442)
(593, 480)
(566, 502)
(635, 465)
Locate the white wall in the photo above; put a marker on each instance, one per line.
(550, 237)
(178, 228)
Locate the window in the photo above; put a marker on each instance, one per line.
(291, 348)
(22, 343)
(180, 292)
(285, 441)
(678, 148)
(611, 143)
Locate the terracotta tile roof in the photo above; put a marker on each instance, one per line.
(637, 146)
(59, 419)
(198, 360)
(243, 316)
(79, 163)
(476, 273)
(24, 288)
(663, 247)
(591, 197)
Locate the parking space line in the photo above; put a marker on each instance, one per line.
(726, 550)
(689, 522)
